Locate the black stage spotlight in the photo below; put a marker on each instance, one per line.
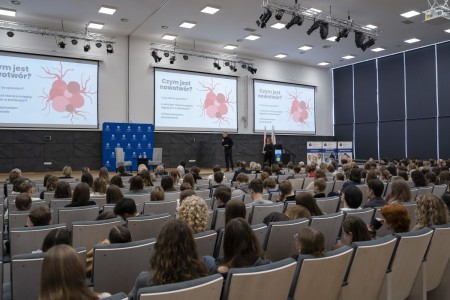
(279, 15)
(109, 49)
(74, 42)
(324, 30)
(359, 39)
(251, 70)
(295, 20)
(343, 33)
(185, 57)
(10, 33)
(217, 66)
(156, 57)
(264, 18)
(166, 54)
(172, 59)
(87, 48)
(98, 45)
(244, 66)
(227, 63)
(314, 26)
(368, 44)
(62, 45)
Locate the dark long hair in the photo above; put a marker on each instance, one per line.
(81, 194)
(175, 258)
(307, 200)
(234, 209)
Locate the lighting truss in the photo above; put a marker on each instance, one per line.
(307, 13)
(436, 11)
(217, 56)
(62, 33)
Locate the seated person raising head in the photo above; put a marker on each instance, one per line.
(256, 188)
(351, 198)
(374, 191)
(222, 195)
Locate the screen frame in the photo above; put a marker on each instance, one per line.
(193, 130)
(284, 132)
(55, 126)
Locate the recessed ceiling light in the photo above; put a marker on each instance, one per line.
(7, 12)
(324, 63)
(305, 48)
(448, 30)
(95, 25)
(278, 25)
(410, 14)
(107, 10)
(187, 24)
(370, 26)
(332, 39)
(210, 10)
(312, 11)
(169, 37)
(378, 49)
(230, 47)
(348, 57)
(411, 41)
(281, 55)
(252, 37)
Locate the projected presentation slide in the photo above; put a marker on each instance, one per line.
(42, 91)
(288, 107)
(187, 101)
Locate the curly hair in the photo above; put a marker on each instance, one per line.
(175, 258)
(431, 211)
(194, 211)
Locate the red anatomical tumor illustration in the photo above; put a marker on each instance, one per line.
(215, 105)
(300, 109)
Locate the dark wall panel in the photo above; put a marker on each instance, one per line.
(366, 141)
(392, 139)
(443, 64)
(343, 132)
(343, 95)
(365, 80)
(422, 138)
(391, 88)
(420, 67)
(444, 138)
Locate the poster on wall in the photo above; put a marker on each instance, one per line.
(135, 139)
(314, 153)
(345, 150)
(329, 151)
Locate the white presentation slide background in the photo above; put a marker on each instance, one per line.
(24, 99)
(193, 114)
(274, 102)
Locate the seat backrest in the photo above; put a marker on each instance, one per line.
(438, 255)
(329, 187)
(68, 215)
(329, 225)
(26, 274)
(147, 227)
(56, 204)
(439, 190)
(205, 288)
(307, 181)
(275, 196)
(48, 195)
(126, 261)
(157, 154)
(260, 231)
(425, 190)
(407, 260)
(259, 212)
(89, 233)
(218, 218)
(160, 207)
(202, 194)
(279, 242)
(411, 208)
(368, 268)
(252, 283)
(328, 205)
(99, 200)
(414, 192)
(206, 242)
(170, 196)
(338, 184)
(320, 278)
(364, 190)
(288, 204)
(297, 183)
(12, 205)
(139, 199)
(366, 214)
(17, 219)
(118, 296)
(28, 239)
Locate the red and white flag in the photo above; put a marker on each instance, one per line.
(265, 139)
(274, 140)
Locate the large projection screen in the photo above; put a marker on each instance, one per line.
(42, 91)
(289, 108)
(188, 101)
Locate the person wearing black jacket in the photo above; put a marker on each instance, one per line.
(269, 151)
(227, 144)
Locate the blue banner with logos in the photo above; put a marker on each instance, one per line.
(136, 140)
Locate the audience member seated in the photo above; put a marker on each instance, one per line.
(88, 179)
(235, 209)
(309, 202)
(105, 215)
(50, 184)
(23, 202)
(264, 176)
(297, 170)
(275, 217)
(354, 179)
(123, 171)
(146, 177)
(418, 178)
(175, 258)
(194, 211)
(195, 171)
(270, 185)
(267, 170)
(395, 218)
(189, 179)
(430, 211)
(99, 187)
(255, 168)
(39, 216)
(354, 230)
(175, 177)
(297, 212)
(142, 167)
(126, 208)
(185, 194)
(137, 185)
(309, 241)
(160, 170)
(370, 175)
(103, 173)
(319, 174)
(113, 194)
(242, 169)
(374, 191)
(81, 196)
(287, 192)
(403, 174)
(182, 168)
(241, 185)
(241, 249)
(339, 176)
(400, 191)
(63, 190)
(218, 179)
(351, 198)
(13, 175)
(117, 181)
(276, 170)
(215, 169)
(66, 172)
(167, 184)
(222, 194)
(310, 170)
(157, 194)
(430, 177)
(319, 186)
(63, 276)
(85, 170)
(59, 236)
(256, 188)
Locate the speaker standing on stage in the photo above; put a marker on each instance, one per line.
(227, 144)
(269, 151)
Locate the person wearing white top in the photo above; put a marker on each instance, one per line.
(181, 168)
(351, 198)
